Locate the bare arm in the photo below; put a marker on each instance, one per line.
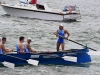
(56, 33)
(29, 47)
(6, 49)
(68, 34)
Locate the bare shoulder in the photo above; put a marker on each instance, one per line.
(27, 44)
(20, 44)
(2, 45)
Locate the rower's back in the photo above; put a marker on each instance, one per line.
(20, 46)
(1, 50)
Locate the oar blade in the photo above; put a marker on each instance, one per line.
(70, 58)
(8, 64)
(94, 53)
(33, 62)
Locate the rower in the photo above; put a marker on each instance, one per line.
(20, 46)
(27, 47)
(3, 49)
(60, 41)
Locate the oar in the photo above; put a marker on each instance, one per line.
(76, 42)
(94, 53)
(81, 44)
(30, 61)
(70, 58)
(8, 64)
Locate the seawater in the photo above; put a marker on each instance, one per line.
(85, 30)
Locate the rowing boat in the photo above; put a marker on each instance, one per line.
(73, 56)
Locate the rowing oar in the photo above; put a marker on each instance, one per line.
(81, 44)
(75, 42)
(8, 64)
(30, 61)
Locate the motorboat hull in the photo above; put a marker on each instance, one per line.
(38, 14)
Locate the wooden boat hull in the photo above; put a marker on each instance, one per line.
(81, 56)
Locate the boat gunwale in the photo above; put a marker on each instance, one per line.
(53, 52)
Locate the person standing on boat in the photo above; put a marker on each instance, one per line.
(60, 33)
(27, 47)
(20, 46)
(3, 49)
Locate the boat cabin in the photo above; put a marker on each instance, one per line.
(38, 6)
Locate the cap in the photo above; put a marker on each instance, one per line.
(29, 38)
(61, 25)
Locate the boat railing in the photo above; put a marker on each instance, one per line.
(72, 9)
(26, 4)
(57, 10)
(23, 3)
(78, 11)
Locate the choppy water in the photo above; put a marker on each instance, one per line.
(85, 31)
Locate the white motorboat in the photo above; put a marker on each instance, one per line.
(41, 11)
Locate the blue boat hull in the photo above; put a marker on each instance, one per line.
(50, 58)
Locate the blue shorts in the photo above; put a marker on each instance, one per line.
(60, 42)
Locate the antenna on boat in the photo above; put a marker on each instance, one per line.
(27, 1)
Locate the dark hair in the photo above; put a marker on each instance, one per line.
(21, 38)
(3, 38)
